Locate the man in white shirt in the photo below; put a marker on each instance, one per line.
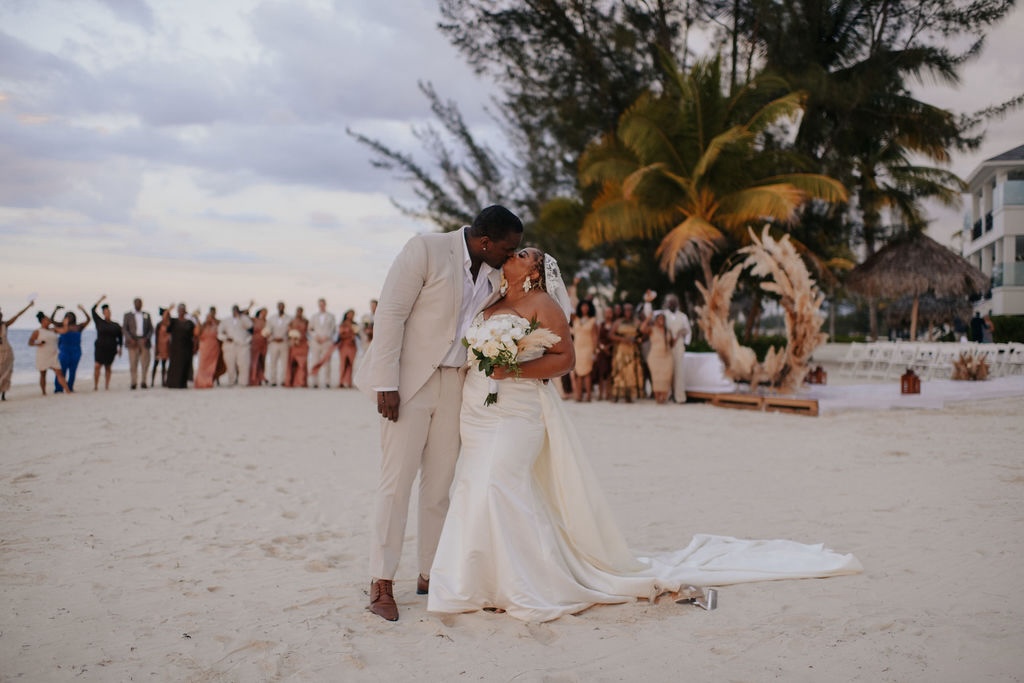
(322, 328)
(235, 334)
(138, 338)
(678, 326)
(276, 332)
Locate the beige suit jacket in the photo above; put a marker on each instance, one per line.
(417, 314)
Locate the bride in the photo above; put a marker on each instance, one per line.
(528, 530)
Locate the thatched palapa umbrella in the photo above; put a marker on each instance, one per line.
(931, 310)
(913, 266)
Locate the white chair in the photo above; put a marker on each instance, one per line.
(854, 354)
(990, 352)
(942, 364)
(903, 356)
(1013, 360)
(862, 368)
(881, 359)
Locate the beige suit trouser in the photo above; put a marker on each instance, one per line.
(236, 357)
(425, 439)
(138, 356)
(277, 361)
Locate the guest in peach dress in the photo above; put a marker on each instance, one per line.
(209, 351)
(584, 341)
(348, 331)
(659, 356)
(298, 350)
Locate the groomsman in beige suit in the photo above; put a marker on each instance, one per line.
(276, 332)
(235, 335)
(138, 335)
(322, 328)
(434, 289)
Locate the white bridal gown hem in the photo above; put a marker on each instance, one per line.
(529, 531)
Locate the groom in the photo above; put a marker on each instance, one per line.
(434, 289)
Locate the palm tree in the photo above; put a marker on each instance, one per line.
(861, 124)
(695, 168)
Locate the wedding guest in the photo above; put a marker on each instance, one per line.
(322, 326)
(183, 346)
(69, 346)
(366, 333)
(138, 337)
(278, 345)
(988, 330)
(107, 346)
(659, 356)
(209, 351)
(627, 371)
(584, 341)
(258, 349)
(678, 325)
(977, 327)
(7, 352)
(44, 338)
(602, 373)
(162, 348)
(235, 335)
(298, 350)
(348, 332)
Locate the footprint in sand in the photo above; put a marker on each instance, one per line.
(542, 633)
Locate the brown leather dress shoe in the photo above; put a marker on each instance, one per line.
(422, 585)
(382, 599)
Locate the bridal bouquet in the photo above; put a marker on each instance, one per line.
(505, 341)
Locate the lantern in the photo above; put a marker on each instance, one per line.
(910, 383)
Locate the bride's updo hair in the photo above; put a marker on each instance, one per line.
(542, 282)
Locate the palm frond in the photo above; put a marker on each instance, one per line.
(687, 242)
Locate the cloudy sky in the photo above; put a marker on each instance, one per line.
(195, 150)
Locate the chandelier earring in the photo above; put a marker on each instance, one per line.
(527, 285)
(503, 287)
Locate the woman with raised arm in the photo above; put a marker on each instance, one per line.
(109, 342)
(44, 338)
(69, 346)
(6, 352)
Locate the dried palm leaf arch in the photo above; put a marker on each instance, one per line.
(784, 273)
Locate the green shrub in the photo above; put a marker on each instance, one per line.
(1008, 328)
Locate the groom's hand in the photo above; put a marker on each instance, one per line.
(387, 405)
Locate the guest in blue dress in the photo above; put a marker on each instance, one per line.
(69, 347)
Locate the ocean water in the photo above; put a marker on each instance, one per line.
(25, 357)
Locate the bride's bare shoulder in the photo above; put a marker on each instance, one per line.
(547, 312)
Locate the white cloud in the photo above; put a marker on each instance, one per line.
(195, 149)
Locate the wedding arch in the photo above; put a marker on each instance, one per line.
(784, 274)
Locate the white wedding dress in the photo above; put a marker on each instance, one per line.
(528, 530)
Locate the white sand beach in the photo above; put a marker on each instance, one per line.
(221, 535)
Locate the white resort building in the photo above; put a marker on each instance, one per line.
(994, 230)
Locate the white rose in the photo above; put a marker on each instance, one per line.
(490, 348)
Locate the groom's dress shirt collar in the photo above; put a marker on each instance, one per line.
(474, 295)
